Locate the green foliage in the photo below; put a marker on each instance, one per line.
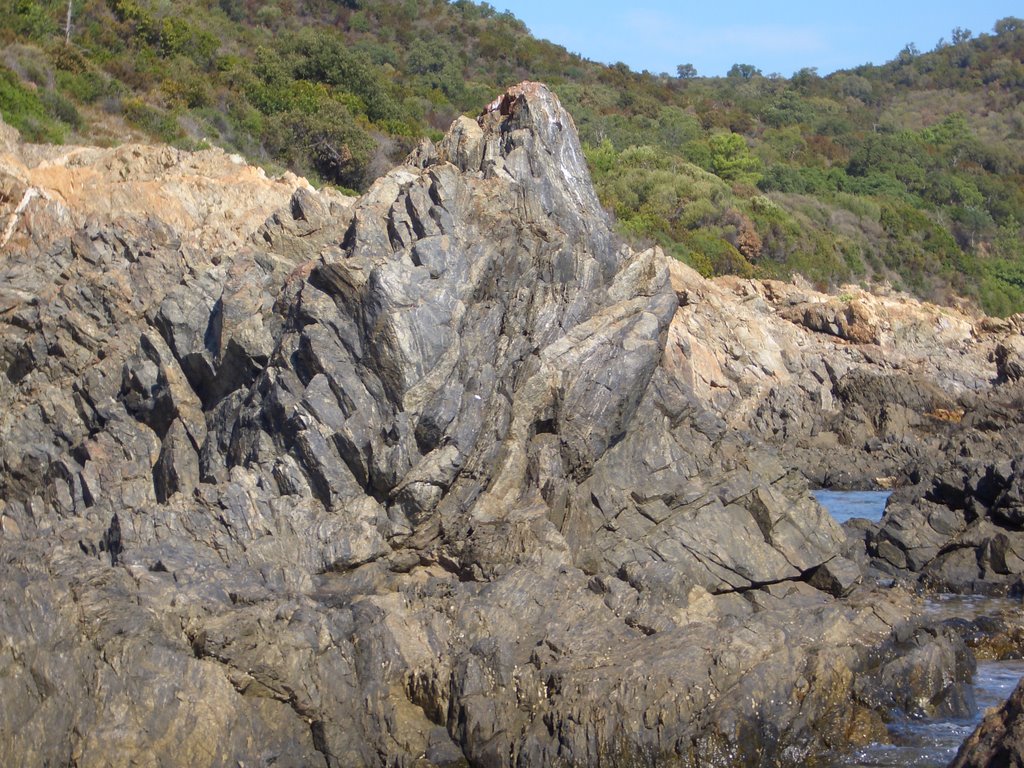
(1002, 286)
(731, 158)
(30, 19)
(723, 258)
(743, 71)
(179, 38)
(789, 108)
(325, 140)
(325, 58)
(152, 120)
(86, 87)
(60, 108)
(29, 111)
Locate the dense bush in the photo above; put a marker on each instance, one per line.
(31, 112)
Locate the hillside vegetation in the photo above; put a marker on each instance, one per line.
(910, 173)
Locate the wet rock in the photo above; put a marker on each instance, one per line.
(999, 740)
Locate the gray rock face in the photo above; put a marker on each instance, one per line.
(961, 528)
(409, 481)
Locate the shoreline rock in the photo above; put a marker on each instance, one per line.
(999, 740)
(444, 473)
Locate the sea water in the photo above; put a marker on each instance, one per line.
(845, 505)
(933, 743)
(927, 743)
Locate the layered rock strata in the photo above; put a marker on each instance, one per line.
(426, 478)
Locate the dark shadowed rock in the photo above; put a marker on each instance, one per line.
(838, 576)
(960, 529)
(1009, 359)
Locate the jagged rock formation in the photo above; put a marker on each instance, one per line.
(961, 527)
(858, 390)
(861, 390)
(428, 478)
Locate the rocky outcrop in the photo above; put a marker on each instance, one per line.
(195, 195)
(861, 391)
(999, 740)
(857, 390)
(960, 529)
(441, 476)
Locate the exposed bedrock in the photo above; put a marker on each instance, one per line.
(865, 391)
(440, 476)
(960, 528)
(855, 390)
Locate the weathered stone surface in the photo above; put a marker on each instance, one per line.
(441, 474)
(856, 390)
(959, 530)
(838, 576)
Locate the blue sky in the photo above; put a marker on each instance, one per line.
(657, 35)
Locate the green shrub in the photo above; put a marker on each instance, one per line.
(695, 259)
(719, 253)
(26, 110)
(326, 142)
(60, 108)
(31, 19)
(86, 87)
(155, 122)
(179, 38)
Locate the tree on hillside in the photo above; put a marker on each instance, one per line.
(908, 54)
(731, 159)
(686, 71)
(743, 71)
(1008, 25)
(961, 35)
